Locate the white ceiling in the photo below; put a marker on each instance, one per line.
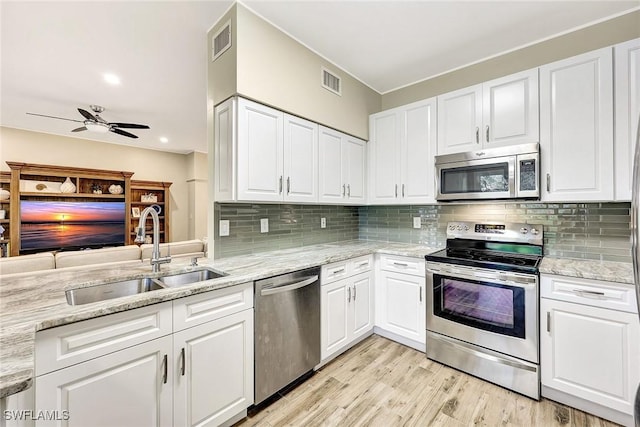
(54, 53)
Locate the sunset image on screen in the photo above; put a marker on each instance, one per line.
(37, 211)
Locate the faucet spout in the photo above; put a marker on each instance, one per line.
(156, 259)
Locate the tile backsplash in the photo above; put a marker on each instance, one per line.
(575, 230)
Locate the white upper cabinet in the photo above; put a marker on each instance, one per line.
(576, 128)
(496, 113)
(627, 113)
(342, 164)
(401, 154)
(263, 154)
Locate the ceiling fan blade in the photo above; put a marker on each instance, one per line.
(129, 126)
(80, 129)
(122, 132)
(87, 115)
(54, 117)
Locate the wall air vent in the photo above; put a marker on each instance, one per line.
(331, 81)
(221, 41)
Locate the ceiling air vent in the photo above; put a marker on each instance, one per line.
(221, 40)
(331, 81)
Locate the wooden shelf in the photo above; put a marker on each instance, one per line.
(74, 195)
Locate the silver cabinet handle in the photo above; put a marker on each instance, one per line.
(548, 321)
(288, 184)
(183, 361)
(362, 264)
(165, 364)
(348, 190)
(349, 294)
(354, 292)
(280, 185)
(487, 133)
(289, 286)
(548, 183)
(343, 190)
(584, 292)
(340, 270)
(402, 190)
(401, 264)
(477, 135)
(420, 294)
(396, 191)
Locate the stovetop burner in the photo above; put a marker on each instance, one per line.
(509, 246)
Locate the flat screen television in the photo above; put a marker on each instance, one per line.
(57, 225)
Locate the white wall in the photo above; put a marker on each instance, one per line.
(40, 148)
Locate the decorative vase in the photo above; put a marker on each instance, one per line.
(115, 189)
(67, 186)
(4, 194)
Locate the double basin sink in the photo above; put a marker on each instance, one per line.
(124, 288)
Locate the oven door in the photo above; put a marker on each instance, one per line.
(494, 309)
(477, 179)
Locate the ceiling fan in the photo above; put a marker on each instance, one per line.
(95, 123)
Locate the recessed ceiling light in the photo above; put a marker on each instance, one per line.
(112, 79)
(164, 139)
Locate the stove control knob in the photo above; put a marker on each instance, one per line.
(459, 227)
(524, 230)
(452, 227)
(466, 228)
(534, 231)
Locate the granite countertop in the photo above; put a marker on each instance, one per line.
(609, 271)
(30, 302)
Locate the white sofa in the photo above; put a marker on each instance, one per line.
(117, 254)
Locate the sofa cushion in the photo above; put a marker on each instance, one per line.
(97, 256)
(27, 263)
(178, 249)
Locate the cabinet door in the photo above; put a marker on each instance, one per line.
(361, 307)
(627, 98)
(355, 168)
(591, 353)
(459, 120)
(332, 187)
(401, 305)
(224, 151)
(213, 370)
(384, 154)
(417, 183)
(300, 160)
(260, 152)
(510, 110)
(131, 387)
(334, 317)
(576, 125)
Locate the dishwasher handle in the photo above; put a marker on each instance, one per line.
(289, 286)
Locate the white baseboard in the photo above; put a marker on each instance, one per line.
(400, 339)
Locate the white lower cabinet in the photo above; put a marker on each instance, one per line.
(198, 372)
(400, 300)
(590, 346)
(131, 387)
(346, 305)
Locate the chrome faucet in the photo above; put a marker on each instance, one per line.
(156, 259)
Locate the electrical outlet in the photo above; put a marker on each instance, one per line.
(416, 222)
(224, 228)
(264, 225)
(323, 222)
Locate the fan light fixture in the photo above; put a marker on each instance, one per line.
(96, 127)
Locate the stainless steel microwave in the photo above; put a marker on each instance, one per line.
(511, 172)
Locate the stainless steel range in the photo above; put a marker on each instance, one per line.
(482, 317)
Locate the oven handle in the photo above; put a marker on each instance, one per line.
(501, 277)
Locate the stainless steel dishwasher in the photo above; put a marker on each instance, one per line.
(287, 329)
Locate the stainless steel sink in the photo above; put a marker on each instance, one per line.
(111, 290)
(189, 277)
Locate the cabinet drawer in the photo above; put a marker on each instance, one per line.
(398, 264)
(201, 308)
(329, 273)
(361, 264)
(67, 345)
(616, 296)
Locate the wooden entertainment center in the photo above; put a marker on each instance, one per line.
(34, 182)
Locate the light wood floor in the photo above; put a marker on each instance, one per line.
(383, 383)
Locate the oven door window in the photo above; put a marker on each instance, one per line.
(490, 178)
(487, 306)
